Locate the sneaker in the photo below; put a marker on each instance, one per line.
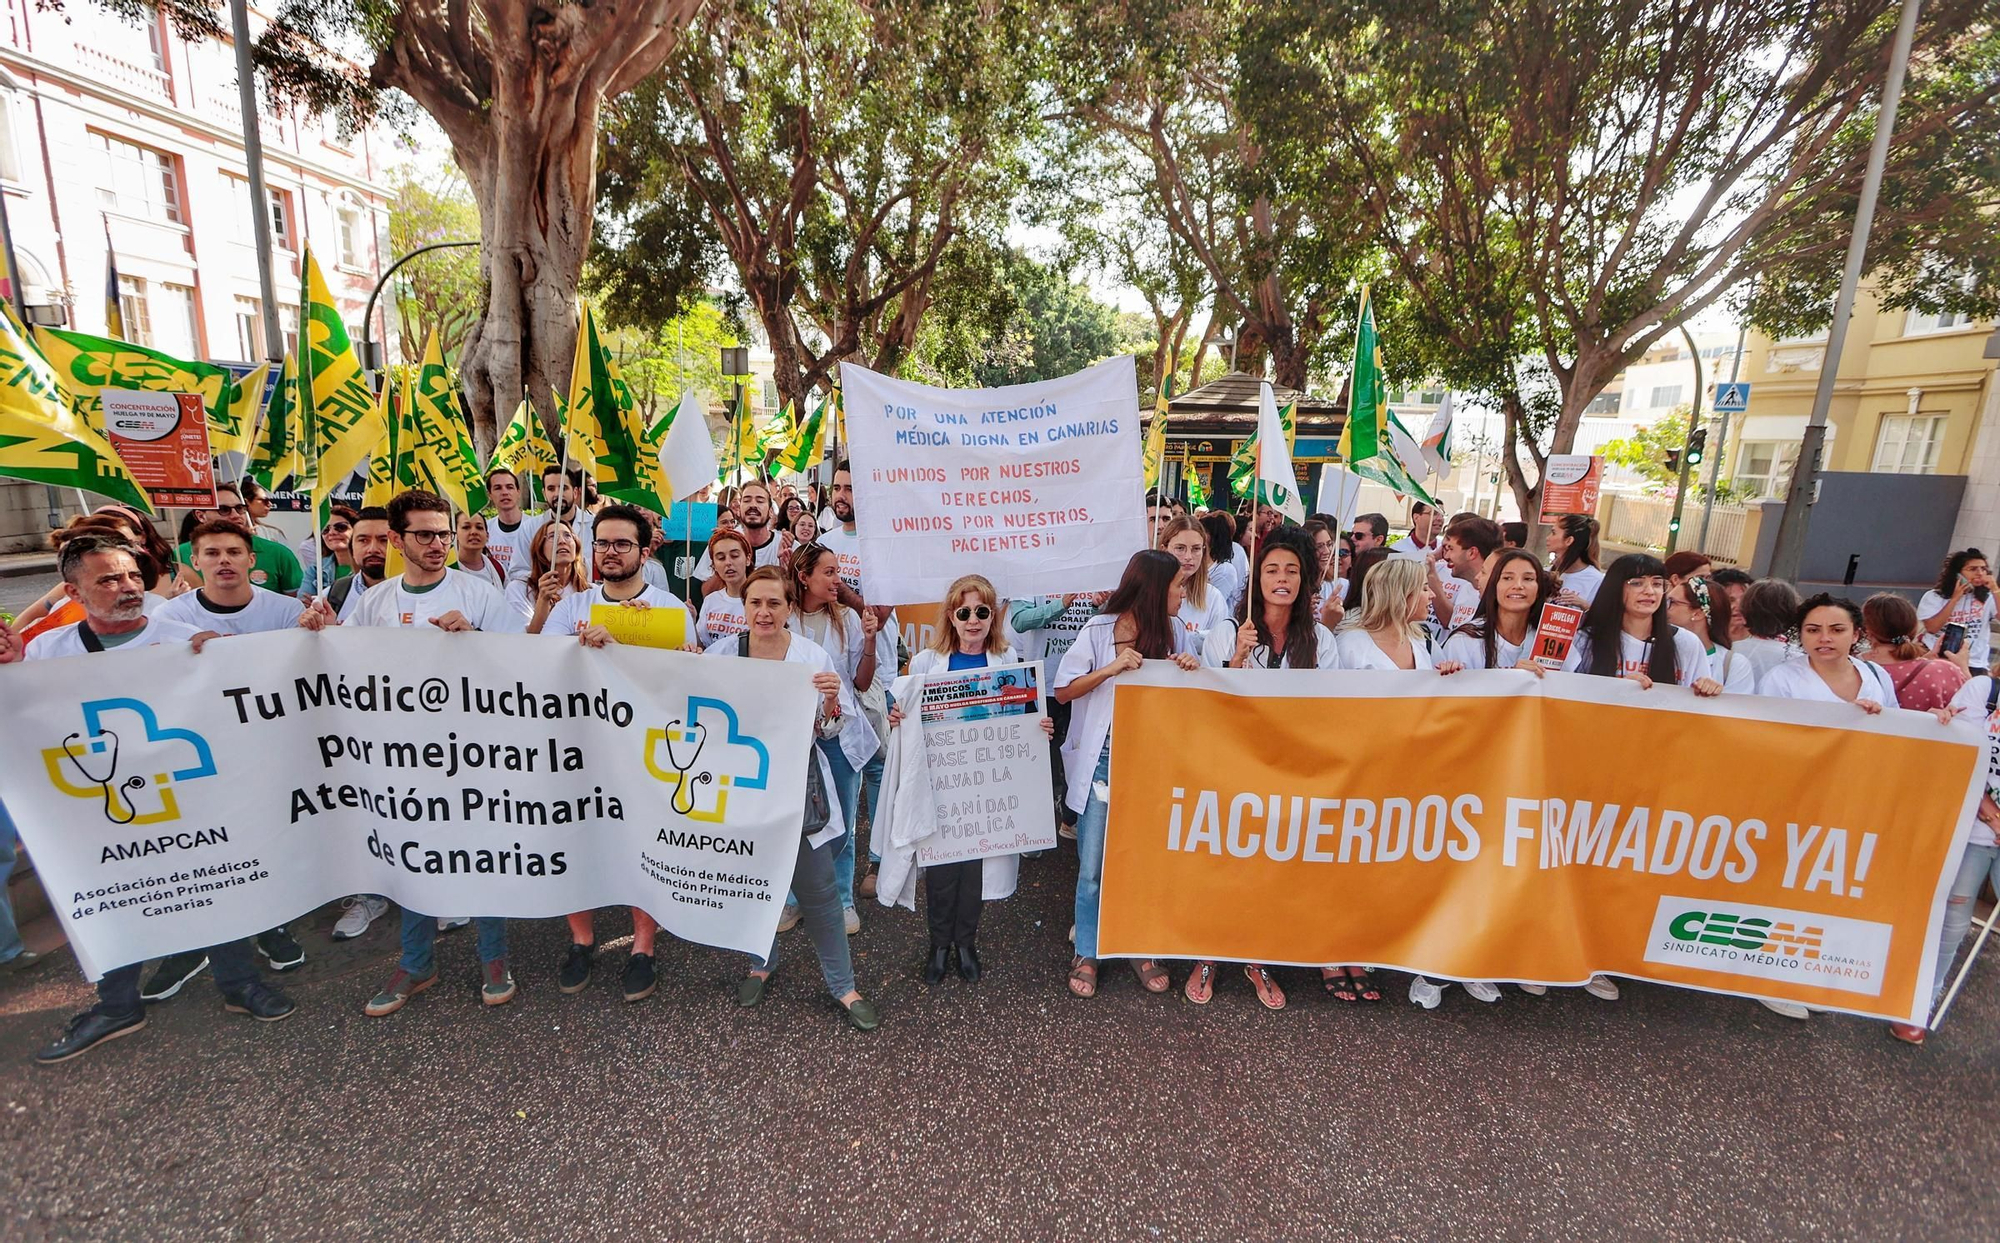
(851, 919)
(788, 918)
(356, 913)
(499, 987)
(638, 980)
(280, 950)
(261, 1002)
(450, 924)
(1602, 987)
(86, 1031)
(173, 973)
(1790, 1009)
(1534, 990)
(1066, 829)
(401, 987)
(1424, 993)
(1482, 990)
(574, 975)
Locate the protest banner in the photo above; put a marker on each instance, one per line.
(1570, 485)
(174, 800)
(163, 440)
(1037, 486)
(989, 764)
(1497, 826)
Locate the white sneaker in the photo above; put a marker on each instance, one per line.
(1534, 990)
(356, 913)
(1072, 934)
(788, 918)
(452, 924)
(1482, 990)
(1424, 993)
(1601, 987)
(1790, 1009)
(853, 920)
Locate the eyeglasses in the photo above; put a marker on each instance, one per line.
(614, 545)
(979, 611)
(427, 537)
(232, 509)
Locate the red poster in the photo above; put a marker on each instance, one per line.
(163, 440)
(1555, 634)
(1569, 486)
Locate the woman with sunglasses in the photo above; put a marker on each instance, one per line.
(721, 617)
(1699, 607)
(968, 636)
(555, 572)
(848, 637)
(767, 606)
(331, 558)
(1138, 623)
(1203, 609)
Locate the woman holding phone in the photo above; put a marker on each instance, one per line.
(1964, 598)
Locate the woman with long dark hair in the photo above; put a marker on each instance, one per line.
(1502, 632)
(1701, 608)
(1137, 623)
(1573, 557)
(848, 636)
(1963, 595)
(1626, 632)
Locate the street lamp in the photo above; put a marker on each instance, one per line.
(736, 366)
(371, 350)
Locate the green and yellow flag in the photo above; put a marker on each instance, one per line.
(1197, 490)
(284, 443)
(43, 438)
(807, 443)
(1156, 435)
(385, 470)
(777, 434)
(524, 446)
(346, 419)
(443, 450)
(1367, 394)
(87, 365)
(606, 432)
(742, 450)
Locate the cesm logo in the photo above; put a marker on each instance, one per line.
(109, 759)
(704, 757)
(1771, 943)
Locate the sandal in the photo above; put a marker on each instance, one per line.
(1200, 985)
(1151, 975)
(1364, 984)
(1908, 1033)
(1339, 983)
(1083, 976)
(1267, 988)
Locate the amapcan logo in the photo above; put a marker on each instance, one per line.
(704, 756)
(1771, 943)
(126, 762)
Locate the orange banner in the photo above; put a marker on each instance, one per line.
(1495, 826)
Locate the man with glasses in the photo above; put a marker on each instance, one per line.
(621, 538)
(276, 568)
(1370, 531)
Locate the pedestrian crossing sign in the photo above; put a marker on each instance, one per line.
(1732, 398)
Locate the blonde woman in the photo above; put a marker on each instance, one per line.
(969, 636)
(1204, 608)
(555, 572)
(1387, 631)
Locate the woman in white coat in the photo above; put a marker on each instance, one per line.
(968, 636)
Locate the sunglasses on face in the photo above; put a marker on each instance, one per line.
(979, 611)
(232, 509)
(338, 528)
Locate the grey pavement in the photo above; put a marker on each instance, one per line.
(1002, 1111)
(18, 591)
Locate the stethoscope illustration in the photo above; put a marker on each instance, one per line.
(683, 789)
(113, 804)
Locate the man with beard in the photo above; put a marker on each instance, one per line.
(768, 545)
(103, 576)
(368, 544)
(623, 536)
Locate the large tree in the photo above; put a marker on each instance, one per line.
(438, 291)
(835, 149)
(516, 85)
(1584, 178)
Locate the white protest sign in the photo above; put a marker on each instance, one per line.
(1036, 486)
(174, 800)
(989, 764)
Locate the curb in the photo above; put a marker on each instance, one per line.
(11, 568)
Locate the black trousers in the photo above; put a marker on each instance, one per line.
(952, 900)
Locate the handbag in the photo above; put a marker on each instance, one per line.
(818, 809)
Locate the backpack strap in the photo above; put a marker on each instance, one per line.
(743, 644)
(1992, 694)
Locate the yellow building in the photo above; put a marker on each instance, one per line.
(1908, 399)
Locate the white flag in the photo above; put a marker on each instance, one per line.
(1274, 459)
(1340, 494)
(687, 455)
(1437, 439)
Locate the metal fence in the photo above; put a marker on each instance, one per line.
(1641, 522)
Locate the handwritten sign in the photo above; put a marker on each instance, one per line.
(989, 764)
(163, 440)
(665, 628)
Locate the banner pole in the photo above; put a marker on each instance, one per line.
(1957, 981)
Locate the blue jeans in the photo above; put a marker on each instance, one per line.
(10, 936)
(1090, 857)
(1979, 863)
(847, 786)
(821, 913)
(420, 932)
(871, 783)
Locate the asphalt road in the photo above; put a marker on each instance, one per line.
(1001, 1111)
(18, 591)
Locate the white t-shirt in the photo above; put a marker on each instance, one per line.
(521, 597)
(1239, 560)
(1357, 649)
(1737, 672)
(1333, 589)
(1977, 618)
(1796, 679)
(1090, 717)
(390, 603)
(509, 549)
(1764, 654)
(489, 572)
(1464, 600)
(1690, 662)
(267, 610)
(805, 652)
(65, 641)
(1327, 654)
(1971, 701)
(572, 613)
(767, 555)
(1468, 647)
(721, 618)
(1225, 579)
(1198, 622)
(846, 547)
(1584, 580)
(1408, 547)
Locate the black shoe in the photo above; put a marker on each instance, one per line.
(280, 950)
(940, 962)
(968, 964)
(88, 1030)
(261, 1002)
(173, 973)
(574, 976)
(638, 979)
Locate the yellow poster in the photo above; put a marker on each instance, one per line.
(642, 627)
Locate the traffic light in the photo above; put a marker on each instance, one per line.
(1673, 461)
(1696, 443)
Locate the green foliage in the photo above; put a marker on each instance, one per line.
(441, 290)
(1645, 452)
(681, 354)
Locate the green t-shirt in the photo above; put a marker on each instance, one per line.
(277, 567)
